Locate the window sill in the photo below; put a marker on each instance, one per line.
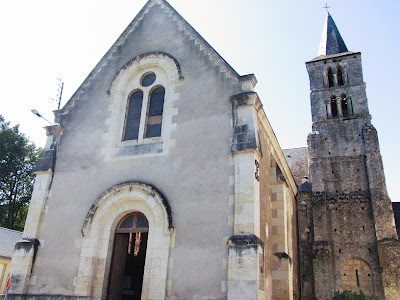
(149, 146)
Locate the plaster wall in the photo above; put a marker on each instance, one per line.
(195, 176)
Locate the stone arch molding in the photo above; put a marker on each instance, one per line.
(96, 244)
(127, 79)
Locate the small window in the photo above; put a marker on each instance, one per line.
(330, 77)
(155, 111)
(334, 109)
(133, 116)
(148, 79)
(135, 222)
(339, 75)
(345, 106)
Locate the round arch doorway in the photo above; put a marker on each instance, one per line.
(128, 259)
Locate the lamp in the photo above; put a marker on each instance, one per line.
(36, 113)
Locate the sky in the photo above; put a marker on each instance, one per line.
(48, 39)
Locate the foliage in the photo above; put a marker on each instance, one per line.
(17, 161)
(349, 295)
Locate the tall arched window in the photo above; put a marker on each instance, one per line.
(345, 105)
(330, 77)
(334, 109)
(154, 114)
(149, 103)
(339, 75)
(134, 111)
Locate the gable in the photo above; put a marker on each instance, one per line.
(157, 17)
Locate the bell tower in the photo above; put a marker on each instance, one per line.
(351, 210)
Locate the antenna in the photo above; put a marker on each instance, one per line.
(59, 92)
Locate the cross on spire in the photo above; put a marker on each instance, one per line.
(326, 7)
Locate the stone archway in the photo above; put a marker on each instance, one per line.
(98, 237)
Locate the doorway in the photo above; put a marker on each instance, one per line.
(129, 257)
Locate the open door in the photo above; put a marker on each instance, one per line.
(129, 257)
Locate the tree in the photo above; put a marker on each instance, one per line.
(18, 156)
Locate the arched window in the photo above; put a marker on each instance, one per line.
(154, 114)
(136, 222)
(148, 100)
(334, 109)
(133, 116)
(345, 105)
(339, 75)
(330, 77)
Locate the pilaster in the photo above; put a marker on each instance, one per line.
(25, 252)
(246, 250)
(245, 267)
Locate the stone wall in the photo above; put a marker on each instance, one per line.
(389, 256)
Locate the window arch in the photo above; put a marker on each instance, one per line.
(135, 222)
(164, 71)
(330, 77)
(339, 75)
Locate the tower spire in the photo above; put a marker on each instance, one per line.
(331, 40)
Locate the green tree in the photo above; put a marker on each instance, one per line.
(17, 161)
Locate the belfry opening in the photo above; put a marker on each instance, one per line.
(129, 256)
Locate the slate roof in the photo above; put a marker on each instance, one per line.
(297, 159)
(8, 238)
(331, 40)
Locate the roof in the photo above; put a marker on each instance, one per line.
(8, 239)
(297, 159)
(331, 40)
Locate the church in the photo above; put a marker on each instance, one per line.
(162, 178)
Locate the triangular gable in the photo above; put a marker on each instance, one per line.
(182, 25)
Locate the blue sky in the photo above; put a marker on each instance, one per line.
(46, 39)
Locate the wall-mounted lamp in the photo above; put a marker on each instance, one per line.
(36, 113)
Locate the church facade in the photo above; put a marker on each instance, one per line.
(162, 178)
